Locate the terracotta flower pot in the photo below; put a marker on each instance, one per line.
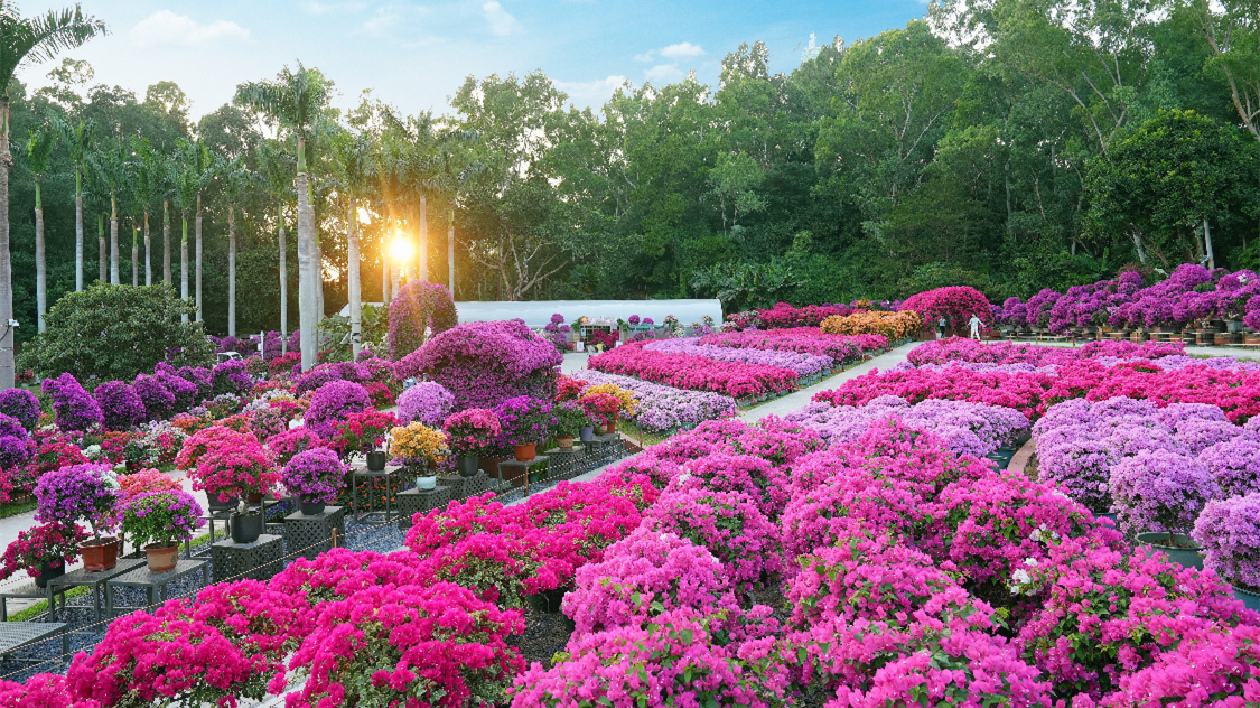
(610, 427)
(99, 555)
(565, 443)
(523, 453)
(162, 557)
(254, 498)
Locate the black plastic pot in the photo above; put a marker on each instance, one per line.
(247, 527)
(376, 460)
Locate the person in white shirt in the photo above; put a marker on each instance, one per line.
(975, 327)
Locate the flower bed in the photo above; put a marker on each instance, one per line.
(960, 349)
(805, 365)
(695, 373)
(801, 340)
(664, 408)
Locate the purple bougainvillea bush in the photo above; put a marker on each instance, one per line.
(485, 363)
(419, 305)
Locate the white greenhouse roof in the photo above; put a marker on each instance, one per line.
(537, 313)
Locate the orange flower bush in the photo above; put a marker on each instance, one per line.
(893, 325)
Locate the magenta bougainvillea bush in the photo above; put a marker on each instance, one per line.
(484, 363)
(955, 305)
(418, 306)
(696, 373)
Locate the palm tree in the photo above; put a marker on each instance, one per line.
(31, 39)
(149, 174)
(354, 159)
(110, 165)
(39, 150)
(234, 176)
(188, 175)
(293, 102)
(275, 172)
(79, 141)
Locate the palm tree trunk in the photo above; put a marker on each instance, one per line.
(41, 266)
(115, 275)
(306, 271)
(422, 261)
(231, 273)
(385, 294)
(166, 241)
(100, 233)
(200, 305)
(183, 268)
(353, 287)
(135, 258)
(7, 369)
(78, 231)
(148, 249)
(395, 276)
(450, 255)
(284, 287)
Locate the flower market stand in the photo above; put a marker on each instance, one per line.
(257, 560)
(154, 584)
(420, 501)
(311, 534)
(464, 487)
(95, 580)
(513, 470)
(601, 443)
(15, 635)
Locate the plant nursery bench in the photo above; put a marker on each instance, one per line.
(154, 584)
(93, 579)
(15, 635)
(311, 534)
(256, 560)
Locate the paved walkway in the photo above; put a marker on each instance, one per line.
(796, 401)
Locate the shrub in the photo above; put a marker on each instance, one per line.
(419, 305)
(525, 420)
(161, 517)
(121, 407)
(231, 377)
(314, 476)
(289, 443)
(20, 404)
(234, 469)
(75, 409)
(159, 403)
(1229, 531)
(116, 332)
(78, 493)
(332, 403)
(483, 363)
(426, 402)
(729, 524)
(474, 431)
(1160, 490)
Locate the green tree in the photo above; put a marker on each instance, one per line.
(39, 151)
(80, 138)
(1160, 186)
(293, 102)
(115, 332)
(26, 39)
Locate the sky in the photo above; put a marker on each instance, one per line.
(415, 55)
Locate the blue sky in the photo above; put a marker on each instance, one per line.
(416, 54)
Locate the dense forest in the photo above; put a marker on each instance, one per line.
(1008, 145)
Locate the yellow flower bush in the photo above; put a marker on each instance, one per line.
(626, 397)
(894, 325)
(419, 440)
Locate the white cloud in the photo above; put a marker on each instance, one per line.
(501, 21)
(679, 51)
(165, 28)
(379, 23)
(664, 73)
(591, 93)
(323, 8)
(645, 57)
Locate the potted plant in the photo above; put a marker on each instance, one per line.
(43, 551)
(419, 448)
(571, 419)
(157, 522)
(234, 470)
(1158, 494)
(470, 433)
(363, 433)
(82, 493)
(1229, 531)
(526, 421)
(602, 407)
(314, 477)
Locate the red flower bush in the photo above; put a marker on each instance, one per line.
(956, 305)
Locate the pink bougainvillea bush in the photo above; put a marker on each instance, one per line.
(695, 373)
(419, 306)
(955, 305)
(484, 363)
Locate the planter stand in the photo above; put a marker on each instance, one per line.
(420, 501)
(310, 536)
(258, 560)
